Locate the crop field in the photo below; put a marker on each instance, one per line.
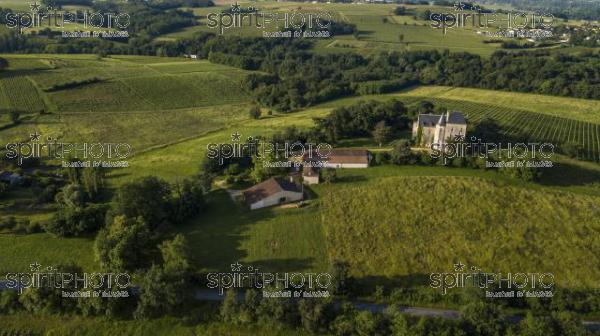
(20, 93)
(124, 84)
(144, 101)
(424, 228)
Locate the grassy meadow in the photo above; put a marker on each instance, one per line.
(405, 226)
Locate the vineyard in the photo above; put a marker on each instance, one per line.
(20, 94)
(537, 127)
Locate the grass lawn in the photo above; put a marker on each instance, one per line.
(270, 239)
(19, 251)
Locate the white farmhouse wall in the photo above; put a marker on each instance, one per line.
(290, 196)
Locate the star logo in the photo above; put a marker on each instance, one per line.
(35, 136)
(236, 136)
(459, 137)
(236, 267)
(459, 267)
(235, 7)
(459, 6)
(35, 6)
(35, 267)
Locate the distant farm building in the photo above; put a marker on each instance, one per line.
(436, 128)
(348, 158)
(274, 191)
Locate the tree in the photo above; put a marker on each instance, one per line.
(262, 168)
(401, 153)
(483, 318)
(230, 307)
(166, 288)
(48, 299)
(176, 255)
(488, 130)
(342, 282)
(125, 245)
(315, 314)
(14, 117)
(160, 293)
(75, 221)
(329, 175)
(555, 324)
(381, 133)
(9, 301)
(189, 200)
(255, 112)
(147, 197)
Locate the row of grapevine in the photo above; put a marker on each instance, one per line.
(21, 93)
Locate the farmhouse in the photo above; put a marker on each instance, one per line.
(273, 191)
(348, 158)
(435, 128)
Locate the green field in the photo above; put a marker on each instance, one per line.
(431, 223)
(144, 101)
(20, 251)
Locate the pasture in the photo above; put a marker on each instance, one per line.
(409, 226)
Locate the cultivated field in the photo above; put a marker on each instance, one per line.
(144, 101)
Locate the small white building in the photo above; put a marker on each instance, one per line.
(274, 191)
